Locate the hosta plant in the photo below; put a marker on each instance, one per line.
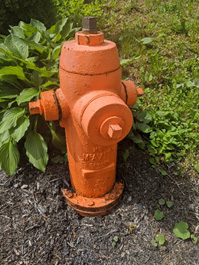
(29, 58)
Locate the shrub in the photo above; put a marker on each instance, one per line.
(29, 58)
(13, 11)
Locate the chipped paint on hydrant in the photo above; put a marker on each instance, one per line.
(92, 104)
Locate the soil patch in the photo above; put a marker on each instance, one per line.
(37, 226)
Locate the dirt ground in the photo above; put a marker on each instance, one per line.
(37, 226)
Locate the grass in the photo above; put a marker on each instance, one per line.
(161, 38)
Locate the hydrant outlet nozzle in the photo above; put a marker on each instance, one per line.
(36, 107)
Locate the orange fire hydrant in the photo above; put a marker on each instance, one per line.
(92, 105)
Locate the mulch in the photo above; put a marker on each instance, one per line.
(37, 226)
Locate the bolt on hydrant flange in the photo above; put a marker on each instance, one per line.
(92, 105)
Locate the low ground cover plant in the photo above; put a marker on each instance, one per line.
(160, 39)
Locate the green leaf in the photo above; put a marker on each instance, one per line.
(10, 118)
(160, 239)
(154, 243)
(67, 29)
(8, 92)
(22, 126)
(36, 150)
(135, 138)
(58, 140)
(162, 171)
(35, 37)
(124, 62)
(161, 201)
(17, 46)
(144, 116)
(56, 52)
(116, 238)
(196, 166)
(27, 94)
(169, 204)
(158, 215)
(143, 127)
(17, 31)
(125, 155)
(35, 46)
(146, 40)
(9, 157)
(57, 28)
(38, 25)
(181, 230)
(13, 70)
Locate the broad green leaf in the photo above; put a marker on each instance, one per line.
(181, 230)
(17, 31)
(143, 127)
(67, 29)
(27, 94)
(57, 28)
(37, 24)
(160, 239)
(13, 70)
(22, 126)
(56, 52)
(146, 40)
(169, 204)
(28, 29)
(4, 137)
(9, 157)
(158, 215)
(10, 118)
(17, 46)
(36, 150)
(8, 92)
(35, 37)
(35, 46)
(161, 201)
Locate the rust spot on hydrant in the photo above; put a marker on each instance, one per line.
(92, 105)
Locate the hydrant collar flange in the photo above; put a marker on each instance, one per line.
(94, 206)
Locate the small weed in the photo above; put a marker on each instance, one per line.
(159, 240)
(115, 241)
(159, 215)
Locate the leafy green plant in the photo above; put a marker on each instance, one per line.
(181, 230)
(13, 11)
(115, 241)
(29, 58)
(159, 239)
(159, 215)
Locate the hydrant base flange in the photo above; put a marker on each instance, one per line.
(94, 206)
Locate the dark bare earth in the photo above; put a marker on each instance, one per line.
(37, 227)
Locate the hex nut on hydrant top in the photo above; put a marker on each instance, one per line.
(92, 105)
